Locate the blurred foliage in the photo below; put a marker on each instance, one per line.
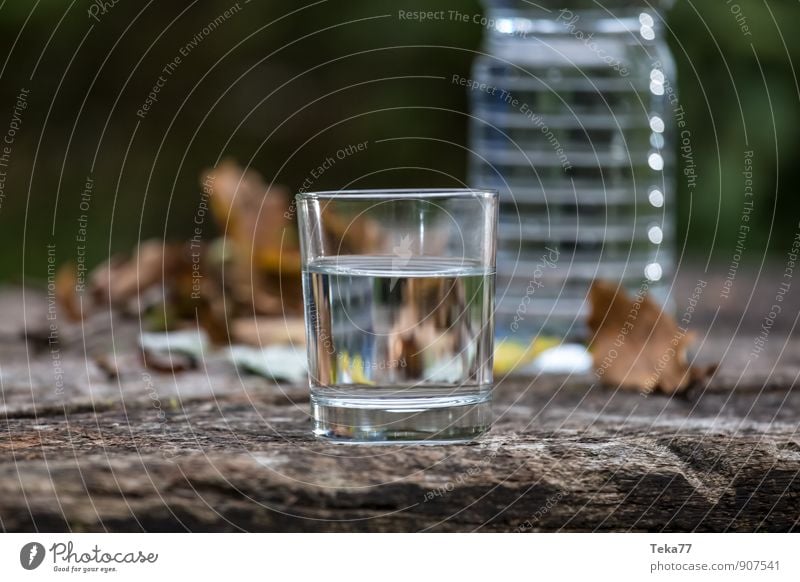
(283, 86)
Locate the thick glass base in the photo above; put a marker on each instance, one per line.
(422, 420)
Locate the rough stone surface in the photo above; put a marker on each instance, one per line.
(101, 443)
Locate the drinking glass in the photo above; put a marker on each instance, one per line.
(399, 301)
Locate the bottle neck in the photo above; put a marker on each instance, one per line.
(609, 6)
(515, 18)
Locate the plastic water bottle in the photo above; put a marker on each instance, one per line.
(573, 114)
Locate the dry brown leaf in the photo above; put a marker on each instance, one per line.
(267, 331)
(360, 234)
(197, 296)
(254, 219)
(255, 269)
(118, 280)
(246, 210)
(106, 364)
(66, 291)
(636, 346)
(167, 362)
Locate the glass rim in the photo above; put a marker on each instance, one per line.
(401, 193)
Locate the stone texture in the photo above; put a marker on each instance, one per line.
(122, 448)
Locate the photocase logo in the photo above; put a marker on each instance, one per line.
(31, 555)
(402, 255)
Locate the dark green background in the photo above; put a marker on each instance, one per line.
(287, 94)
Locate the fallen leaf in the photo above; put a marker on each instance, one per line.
(66, 291)
(168, 362)
(119, 280)
(636, 346)
(190, 342)
(173, 351)
(349, 233)
(254, 218)
(277, 362)
(199, 295)
(106, 364)
(252, 272)
(263, 331)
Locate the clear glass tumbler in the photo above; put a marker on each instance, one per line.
(399, 302)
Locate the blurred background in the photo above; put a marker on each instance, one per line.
(283, 86)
